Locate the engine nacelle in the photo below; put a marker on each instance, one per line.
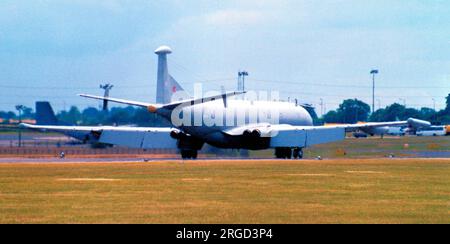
(256, 133)
(252, 134)
(417, 123)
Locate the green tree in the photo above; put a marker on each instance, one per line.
(393, 112)
(353, 110)
(73, 116)
(93, 116)
(27, 113)
(447, 102)
(7, 115)
(121, 116)
(427, 114)
(144, 118)
(332, 117)
(378, 116)
(411, 113)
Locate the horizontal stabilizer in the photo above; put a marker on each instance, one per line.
(116, 100)
(193, 101)
(169, 106)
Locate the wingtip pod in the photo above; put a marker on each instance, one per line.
(417, 123)
(25, 126)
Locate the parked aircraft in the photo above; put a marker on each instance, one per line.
(222, 121)
(46, 116)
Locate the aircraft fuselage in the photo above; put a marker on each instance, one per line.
(211, 121)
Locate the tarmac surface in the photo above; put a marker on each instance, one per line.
(115, 159)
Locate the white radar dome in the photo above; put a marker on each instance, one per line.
(163, 50)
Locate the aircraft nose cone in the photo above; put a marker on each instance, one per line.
(163, 50)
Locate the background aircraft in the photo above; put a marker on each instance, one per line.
(292, 132)
(46, 116)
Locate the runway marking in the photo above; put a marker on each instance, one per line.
(196, 179)
(310, 174)
(86, 179)
(360, 185)
(365, 172)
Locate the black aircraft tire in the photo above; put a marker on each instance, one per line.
(279, 153)
(189, 154)
(185, 154)
(288, 153)
(298, 153)
(295, 153)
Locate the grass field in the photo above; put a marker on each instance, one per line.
(406, 146)
(254, 191)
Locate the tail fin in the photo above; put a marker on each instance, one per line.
(166, 84)
(45, 114)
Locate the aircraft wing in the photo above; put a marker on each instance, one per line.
(285, 135)
(140, 137)
(133, 137)
(61, 128)
(414, 123)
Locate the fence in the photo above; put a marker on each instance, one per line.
(79, 150)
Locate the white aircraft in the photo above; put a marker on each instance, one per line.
(222, 122)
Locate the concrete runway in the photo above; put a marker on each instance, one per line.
(9, 160)
(72, 160)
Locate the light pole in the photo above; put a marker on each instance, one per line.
(107, 87)
(20, 108)
(434, 108)
(404, 101)
(373, 73)
(241, 75)
(321, 107)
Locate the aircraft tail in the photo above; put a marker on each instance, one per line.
(167, 86)
(45, 114)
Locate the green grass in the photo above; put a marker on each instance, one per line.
(328, 191)
(372, 147)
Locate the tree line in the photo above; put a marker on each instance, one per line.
(353, 111)
(93, 116)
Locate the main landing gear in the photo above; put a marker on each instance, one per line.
(288, 153)
(189, 154)
(187, 144)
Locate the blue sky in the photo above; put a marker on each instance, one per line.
(54, 49)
